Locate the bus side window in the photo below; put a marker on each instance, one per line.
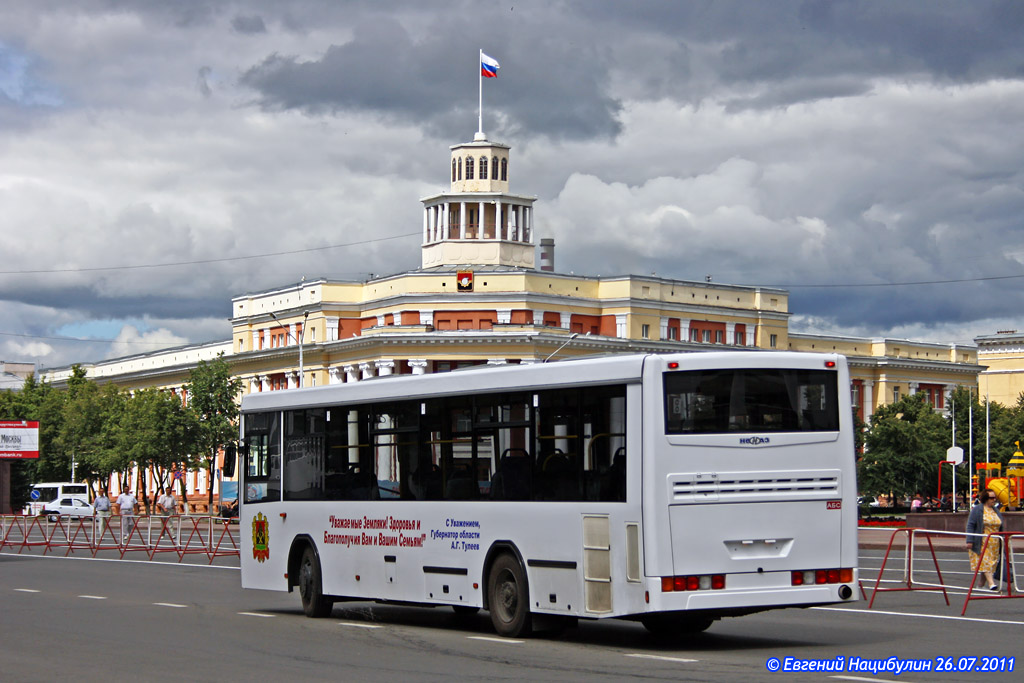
(263, 464)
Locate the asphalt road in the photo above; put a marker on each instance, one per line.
(119, 619)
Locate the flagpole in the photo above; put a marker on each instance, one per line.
(480, 110)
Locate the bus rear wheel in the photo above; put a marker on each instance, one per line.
(673, 624)
(311, 587)
(509, 597)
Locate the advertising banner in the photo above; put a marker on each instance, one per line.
(19, 439)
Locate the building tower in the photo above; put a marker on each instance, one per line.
(478, 222)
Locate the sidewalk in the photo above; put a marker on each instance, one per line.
(877, 538)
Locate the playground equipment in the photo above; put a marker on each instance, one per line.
(1009, 490)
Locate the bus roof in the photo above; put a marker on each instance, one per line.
(618, 368)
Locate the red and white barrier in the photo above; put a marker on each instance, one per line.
(152, 535)
(923, 541)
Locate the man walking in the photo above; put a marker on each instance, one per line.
(167, 506)
(126, 502)
(102, 507)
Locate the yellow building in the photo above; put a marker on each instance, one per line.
(1003, 355)
(479, 297)
(884, 370)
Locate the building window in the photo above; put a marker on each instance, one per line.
(453, 170)
(494, 167)
(504, 169)
(460, 168)
(645, 331)
(707, 336)
(855, 395)
(469, 168)
(719, 337)
(739, 336)
(673, 333)
(934, 394)
(483, 168)
(773, 340)
(895, 394)
(695, 335)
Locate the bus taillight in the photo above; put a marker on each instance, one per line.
(679, 584)
(821, 576)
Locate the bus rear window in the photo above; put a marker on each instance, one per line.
(751, 400)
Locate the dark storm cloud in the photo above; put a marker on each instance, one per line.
(248, 24)
(93, 304)
(764, 143)
(434, 82)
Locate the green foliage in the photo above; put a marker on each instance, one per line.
(90, 429)
(905, 444)
(212, 397)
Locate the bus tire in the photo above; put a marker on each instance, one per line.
(509, 597)
(311, 588)
(673, 624)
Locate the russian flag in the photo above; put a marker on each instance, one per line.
(488, 66)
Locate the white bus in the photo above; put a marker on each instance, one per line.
(669, 489)
(48, 492)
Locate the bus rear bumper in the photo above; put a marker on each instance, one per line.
(798, 596)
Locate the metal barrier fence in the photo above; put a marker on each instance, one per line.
(913, 576)
(152, 535)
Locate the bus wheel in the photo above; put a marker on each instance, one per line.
(509, 597)
(669, 624)
(311, 588)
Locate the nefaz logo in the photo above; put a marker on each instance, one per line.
(754, 441)
(834, 505)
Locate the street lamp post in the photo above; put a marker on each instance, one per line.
(299, 341)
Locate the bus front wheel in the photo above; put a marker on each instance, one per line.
(311, 587)
(509, 597)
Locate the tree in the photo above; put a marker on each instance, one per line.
(90, 429)
(905, 445)
(157, 432)
(212, 397)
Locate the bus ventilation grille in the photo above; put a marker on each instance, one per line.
(753, 487)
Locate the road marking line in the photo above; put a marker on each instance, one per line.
(93, 597)
(26, 590)
(663, 658)
(257, 614)
(507, 641)
(986, 620)
(355, 625)
(168, 604)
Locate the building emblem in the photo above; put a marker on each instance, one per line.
(260, 538)
(464, 280)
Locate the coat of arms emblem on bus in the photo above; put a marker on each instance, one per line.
(260, 538)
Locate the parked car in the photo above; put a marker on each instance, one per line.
(73, 508)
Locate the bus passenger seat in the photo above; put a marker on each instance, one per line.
(514, 478)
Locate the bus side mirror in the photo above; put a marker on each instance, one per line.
(230, 457)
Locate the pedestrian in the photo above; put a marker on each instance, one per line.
(915, 505)
(167, 506)
(102, 507)
(984, 520)
(126, 502)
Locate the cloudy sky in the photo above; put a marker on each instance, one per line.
(158, 158)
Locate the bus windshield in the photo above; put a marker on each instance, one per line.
(751, 400)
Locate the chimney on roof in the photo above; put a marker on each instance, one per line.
(547, 254)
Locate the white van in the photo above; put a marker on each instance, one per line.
(42, 494)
